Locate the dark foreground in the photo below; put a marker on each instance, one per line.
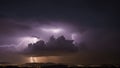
(53, 65)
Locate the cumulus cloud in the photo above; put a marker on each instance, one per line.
(59, 46)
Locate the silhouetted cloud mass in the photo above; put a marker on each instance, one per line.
(59, 46)
(92, 24)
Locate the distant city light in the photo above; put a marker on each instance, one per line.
(33, 59)
(43, 59)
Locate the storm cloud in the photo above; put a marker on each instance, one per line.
(95, 25)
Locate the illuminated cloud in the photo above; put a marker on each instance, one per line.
(24, 41)
(52, 30)
(55, 46)
(98, 23)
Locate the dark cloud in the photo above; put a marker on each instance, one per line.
(97, 23)
(12, 29)
(12, 26)
(102, 39)
(59, 46)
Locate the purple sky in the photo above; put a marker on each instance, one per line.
(94, 23)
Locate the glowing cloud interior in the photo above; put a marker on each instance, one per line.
(24, 41)
(30, 39)
(52, 30)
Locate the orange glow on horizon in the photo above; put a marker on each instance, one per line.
(43, 59)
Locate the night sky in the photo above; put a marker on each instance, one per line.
(94, 22)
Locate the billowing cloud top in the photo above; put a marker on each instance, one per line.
(59, 46)
(94, 24)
